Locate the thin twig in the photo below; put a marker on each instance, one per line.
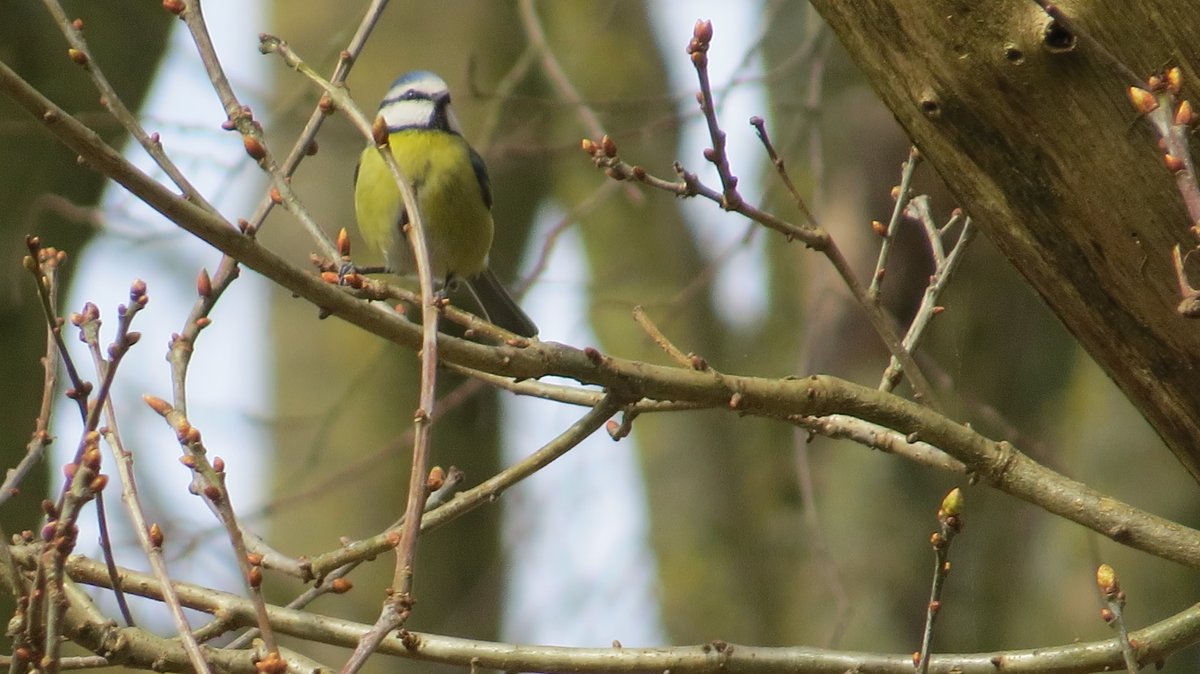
(46, 262)
(304, 142)
(929, 301)
(395, 613)
(648, 326)
(379, 289)
(61, 535)
(760, 128)
(1114, 614)
(535, 34)
(88, 323)
(241, 118)
(332, 582)
(570, 395)
(903, 194)
(919, 209)
(110, 560)
(399, 603)
(210, 479)
(1172, 121)
(484, 493)
(84, 483)
(604, 155)
(80, 389)
(227, 270)
(874, 436)
(346, 477)
(732, 200)
(112, 101)
(950, 523)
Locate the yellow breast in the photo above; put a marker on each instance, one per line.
(458, 224)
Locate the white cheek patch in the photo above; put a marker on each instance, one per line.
(407, 113)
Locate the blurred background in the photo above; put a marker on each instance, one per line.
(699, 526)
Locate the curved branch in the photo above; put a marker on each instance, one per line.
(1156, 642)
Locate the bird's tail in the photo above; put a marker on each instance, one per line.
(498, 306)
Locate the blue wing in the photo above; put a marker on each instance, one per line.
(481, 174)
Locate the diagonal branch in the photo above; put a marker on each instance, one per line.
(133, 646)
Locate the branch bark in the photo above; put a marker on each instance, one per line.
(135, 647)
(1031, 129)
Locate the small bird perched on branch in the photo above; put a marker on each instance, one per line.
(453, 194)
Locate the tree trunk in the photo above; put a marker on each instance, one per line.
(1030, 126)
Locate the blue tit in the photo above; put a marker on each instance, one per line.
(453, 193)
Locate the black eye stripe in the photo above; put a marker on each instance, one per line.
(408, 95)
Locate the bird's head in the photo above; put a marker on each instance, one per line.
(419, 100)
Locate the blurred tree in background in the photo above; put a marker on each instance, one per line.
(764, 534)
(43, 191)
